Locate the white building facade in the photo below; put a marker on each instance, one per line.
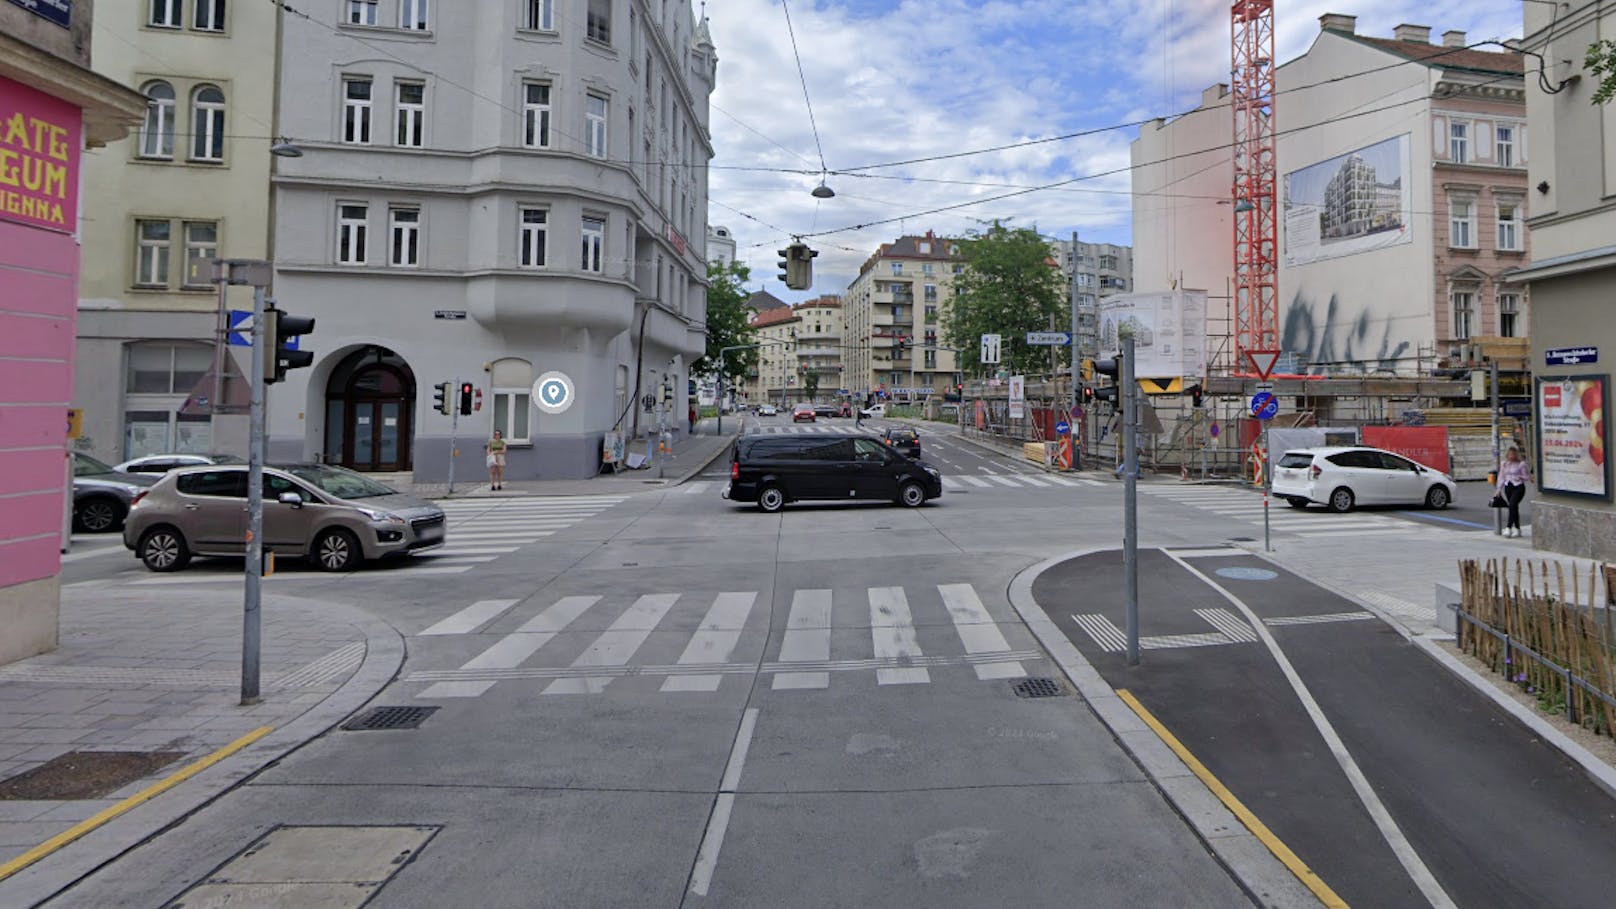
(490, 193)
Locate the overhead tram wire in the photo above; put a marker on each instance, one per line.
(803, 78)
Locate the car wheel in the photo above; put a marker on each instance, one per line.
(163, 549)
(1341, 500)
(337, 550)
(1437, 497)
(98, 515)
(771, 499)
(912, 495)
(1296, 502)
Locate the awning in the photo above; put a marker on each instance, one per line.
(1560, 266)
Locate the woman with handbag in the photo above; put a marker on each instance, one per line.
(1513, 475)
(496, 460)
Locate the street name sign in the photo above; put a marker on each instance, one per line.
(1517, 408)
(1571, 356)
(1049, 338)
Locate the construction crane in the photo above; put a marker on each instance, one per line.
(1256, 234)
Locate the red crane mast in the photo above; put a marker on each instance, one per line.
(1256, 232)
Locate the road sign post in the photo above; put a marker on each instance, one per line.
(1264, 406)
(1130, 493)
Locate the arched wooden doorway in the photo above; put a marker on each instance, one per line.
(370, 402)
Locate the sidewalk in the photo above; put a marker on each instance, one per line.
(145, 687)
(690, 456)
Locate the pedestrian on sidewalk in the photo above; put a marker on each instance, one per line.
(1513, 476)
(692, 419)
(496, 460)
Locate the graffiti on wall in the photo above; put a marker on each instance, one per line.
(1360, 342)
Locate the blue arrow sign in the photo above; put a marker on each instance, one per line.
(1264, 405)
(1062, 428)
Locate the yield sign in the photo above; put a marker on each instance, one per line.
(1263, 361)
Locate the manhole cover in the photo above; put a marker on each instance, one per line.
(390, 718)
(85, 774)
(1243, 573)
(1038, 688)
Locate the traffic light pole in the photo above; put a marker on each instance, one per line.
(251, 615)
(1128, 395)
(454, 424)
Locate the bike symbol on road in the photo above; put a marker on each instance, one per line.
(553, 392)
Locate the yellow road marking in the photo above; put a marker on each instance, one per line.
(150, 792)
(1258, 829)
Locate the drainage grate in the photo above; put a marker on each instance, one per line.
(390, 718)
(1038, 688)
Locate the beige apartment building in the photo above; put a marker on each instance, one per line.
(775, 376)
(894, 321)
(799, 354)
(191, 186)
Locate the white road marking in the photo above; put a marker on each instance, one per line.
(1032, 480)
(892, 632)
(1002, 481)
(699, 486)
(977, 630)
(96, 551)
(807, 638)
(471, 618)
(951, 483)
(978, 482)
(1062, 481)
(511, 650)
(714, 641)
(1235, 629)
(494, 551)
(701, 877)
(1320, 619)
(617, 644)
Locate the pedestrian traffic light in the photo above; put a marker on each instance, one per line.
(441, 402)
(1196, 395)
(280, 332)
(1088, 394)
(466, 390)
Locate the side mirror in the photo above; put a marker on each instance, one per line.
(292, 499)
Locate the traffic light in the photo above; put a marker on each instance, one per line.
(1110, 368)
(440, 397)
(1088, 394)
(787, 272)
(282, 331)
(805, 266)
(1196, 398)
(466, 390)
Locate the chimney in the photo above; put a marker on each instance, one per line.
(1414, 34)
(1338, 22)
(1214, 93)
(1453, 38)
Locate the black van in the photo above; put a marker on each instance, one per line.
(772, 470)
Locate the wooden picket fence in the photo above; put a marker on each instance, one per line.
(1525, 623)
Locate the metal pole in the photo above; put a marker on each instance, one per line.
(1268, 487)
(221, 332)
(721, 390)
(1492, 403)
(251, 614)
(454, 424)
(1130, 494)
(1071, 413)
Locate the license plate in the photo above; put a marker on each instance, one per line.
(434, 532)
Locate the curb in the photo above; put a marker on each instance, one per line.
(1248, 861)
(707, 463)
(54, 874)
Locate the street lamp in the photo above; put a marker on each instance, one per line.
(284, 148)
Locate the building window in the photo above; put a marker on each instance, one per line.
(929, 295)
(201, 248)
(594, 235)
(351, 220)
(1504, 146)
(151, 253)
(540, 15)
(1462, 223)
(1509, 315)
(534, 237)
(599, 21)
(411, 113)
(412, 15)
(897, 268)
(959, 268)
(1459, 142)
(209, 16)
(1464, 313)
(166, 369)
(405, 230)
(536, 115)
(166, 13)
(356, 110)
(207, 124)
(1509, 226)
(595, 111)
(361, 12)
(157, 133)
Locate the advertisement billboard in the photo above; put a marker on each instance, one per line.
(1169, 331)
(1571, 435)
(39, 158)
(1426, 445)
(1350, 204)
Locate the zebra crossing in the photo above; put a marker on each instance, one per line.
(951, 482)
(671, 643)
(482, 530)
(1246, 508)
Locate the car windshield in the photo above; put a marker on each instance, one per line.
(344, 484)
(86, 466)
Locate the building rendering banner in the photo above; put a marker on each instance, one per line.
(1169, 331)
(1349, 204)
(1571, 435)
(39, 158)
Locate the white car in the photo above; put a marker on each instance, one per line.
(163, 463)
(875, 410)
(1342, 478)
(768, 410)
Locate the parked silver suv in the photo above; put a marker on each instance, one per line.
(334, 516)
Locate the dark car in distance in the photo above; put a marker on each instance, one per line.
(826, 411)
(904, 440)
(772, 470)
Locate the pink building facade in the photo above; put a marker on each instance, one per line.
(51, 106)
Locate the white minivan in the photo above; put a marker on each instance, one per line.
(875, 410)
(1342, 478)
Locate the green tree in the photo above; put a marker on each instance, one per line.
(728, 323)
(1010, 286)
(810, 384)
(1601, 61)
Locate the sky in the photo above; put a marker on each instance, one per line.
(893, 81)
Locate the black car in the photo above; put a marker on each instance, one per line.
(826, 411)
(904, 440)
(772, 470)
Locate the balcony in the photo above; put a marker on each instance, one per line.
(804, 351)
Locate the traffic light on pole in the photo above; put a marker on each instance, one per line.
(441, 402)
(787, 259)
(1111, 368)
(466, 390)
(1196, 395)
(282, 330)
(805, 266)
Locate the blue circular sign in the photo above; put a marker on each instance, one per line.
(1063, 427)
(1264, 405)
(553, 392)
(1242, 573)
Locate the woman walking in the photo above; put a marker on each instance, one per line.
(496, 460)
(1513, 475)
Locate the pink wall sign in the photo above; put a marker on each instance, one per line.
(40, 138)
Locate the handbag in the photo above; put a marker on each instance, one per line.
(492, 460)
(1498, 501)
